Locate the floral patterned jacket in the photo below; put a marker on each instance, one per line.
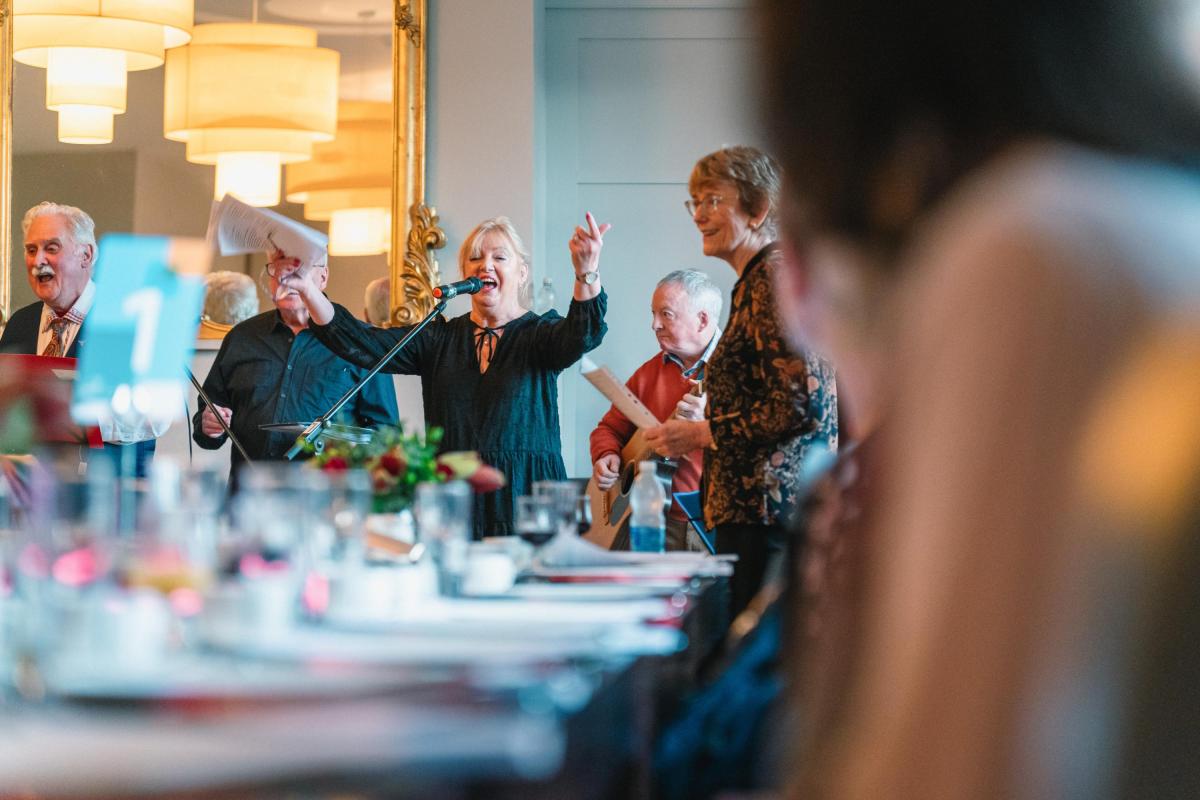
(767, 408)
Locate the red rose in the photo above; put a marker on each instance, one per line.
(392, 462)
(335, 464)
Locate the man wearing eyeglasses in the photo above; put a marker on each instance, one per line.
(271, 369)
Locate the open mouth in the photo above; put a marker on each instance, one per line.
(44, 277)
(488, 283)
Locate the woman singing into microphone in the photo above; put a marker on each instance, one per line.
(488, 377)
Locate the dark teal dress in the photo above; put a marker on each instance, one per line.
(509, 414)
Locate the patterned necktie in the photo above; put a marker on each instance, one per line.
(56, 326)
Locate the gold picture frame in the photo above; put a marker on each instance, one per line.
(415, 230)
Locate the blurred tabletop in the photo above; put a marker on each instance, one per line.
(556, 689)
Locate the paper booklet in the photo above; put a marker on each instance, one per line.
(618, 394)
(235, 228)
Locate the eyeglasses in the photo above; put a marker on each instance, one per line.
(271, 271)
(709, 202)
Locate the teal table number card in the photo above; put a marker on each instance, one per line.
(141, 330)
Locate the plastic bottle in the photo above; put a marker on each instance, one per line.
(544, 299)
(648, 501)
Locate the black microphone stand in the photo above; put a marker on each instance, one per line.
(319, 424)
(220, 419)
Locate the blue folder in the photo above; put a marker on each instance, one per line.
(690, 503)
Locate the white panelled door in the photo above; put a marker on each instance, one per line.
(633, 96)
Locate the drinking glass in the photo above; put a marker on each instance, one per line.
(443, 514)
(583, 514)
(563, 497)
(535, 520)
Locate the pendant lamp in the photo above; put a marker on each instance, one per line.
(248, 97)
(348, 182)
(87, 47)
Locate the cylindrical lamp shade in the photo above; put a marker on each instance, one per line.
(251, 177)
(349, 180)
(85, 125)
(142, 29)
(360, 232)
(250, 88)
(77, 76)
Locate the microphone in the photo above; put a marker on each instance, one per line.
(468, 286)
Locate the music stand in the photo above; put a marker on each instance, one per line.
(341, 433)
(690, 503)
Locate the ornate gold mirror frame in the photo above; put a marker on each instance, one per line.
(415, 231)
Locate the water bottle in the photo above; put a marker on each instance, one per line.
(543, 300)
(648, 501)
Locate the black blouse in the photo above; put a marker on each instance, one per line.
(509, 414)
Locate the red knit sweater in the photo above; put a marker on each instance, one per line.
(659, 383)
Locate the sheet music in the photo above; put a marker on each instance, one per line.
(618, 394)
(235, 228)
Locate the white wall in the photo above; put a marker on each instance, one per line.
(510, 104)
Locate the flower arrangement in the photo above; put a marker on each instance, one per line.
(398, 461)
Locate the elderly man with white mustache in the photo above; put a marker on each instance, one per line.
(60, 255)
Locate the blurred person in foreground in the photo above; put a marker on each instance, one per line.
(1030, 201)
(271, 368)
(377, 302)
(684, 311)
(489, 377)
(767, 407)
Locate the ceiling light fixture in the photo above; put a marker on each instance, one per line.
(87, 47)
(248, 97)
(348, 182)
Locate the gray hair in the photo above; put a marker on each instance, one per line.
(80, 224)
(703, 294)
(503, 226)
(230, 298)
(377, 301)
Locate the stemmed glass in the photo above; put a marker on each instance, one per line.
(583, 514)
(563, 497)
(535, 521)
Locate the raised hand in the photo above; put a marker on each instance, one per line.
(585, 245)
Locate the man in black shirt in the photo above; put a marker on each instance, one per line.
(272, 369)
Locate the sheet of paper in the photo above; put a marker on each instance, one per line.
(618, 394)
(235, 228)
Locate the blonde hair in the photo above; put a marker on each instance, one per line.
(473, 244)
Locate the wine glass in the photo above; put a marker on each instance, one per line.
(583, 514)
(563, 497)
(535, 520)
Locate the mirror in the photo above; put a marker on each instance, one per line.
(142, 183)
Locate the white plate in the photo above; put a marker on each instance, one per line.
(591, 592)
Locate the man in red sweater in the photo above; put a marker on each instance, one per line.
(684, 312)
